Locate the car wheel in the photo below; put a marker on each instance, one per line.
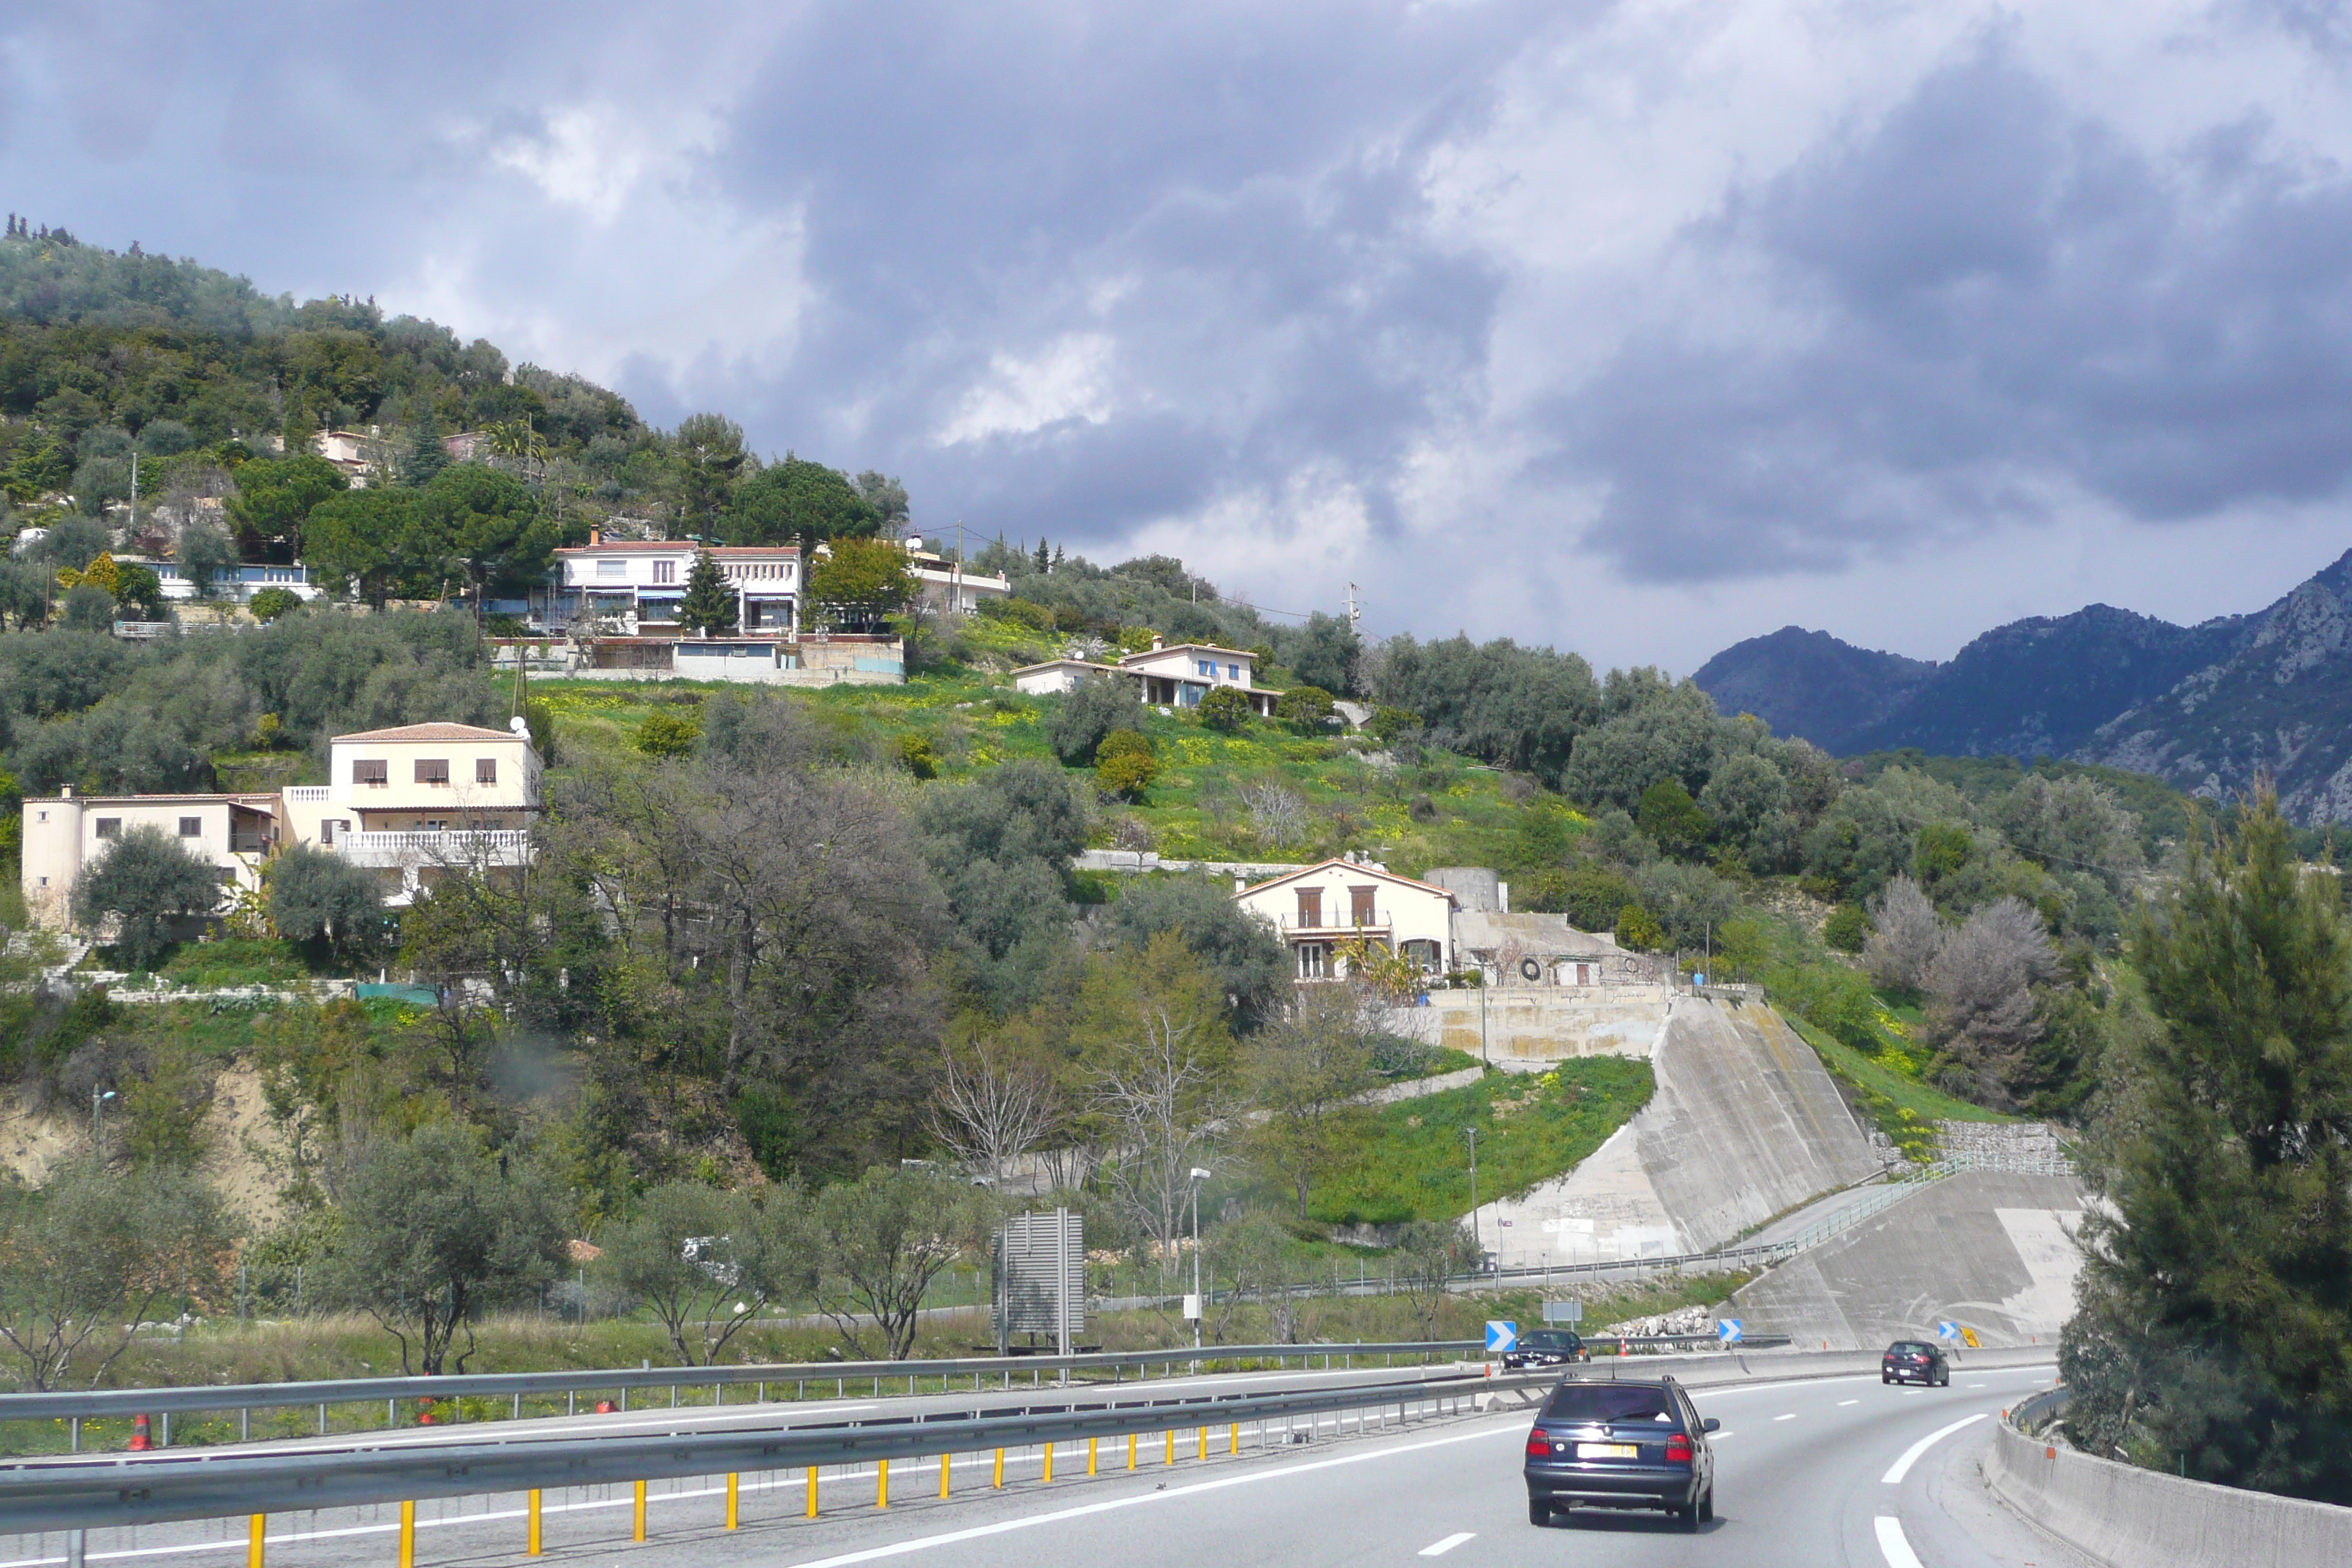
(1688, 1519)
(1538, 1511)
(1885, 1377)
(1706, 1507)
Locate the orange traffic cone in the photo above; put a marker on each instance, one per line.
(140, 1442)
(425, 1411)
(603, 1407)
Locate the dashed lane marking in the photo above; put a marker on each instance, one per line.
(1894, 1546)
(1439, 1548)
(1791, 1416)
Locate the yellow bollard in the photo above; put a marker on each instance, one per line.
(1130, 1451)
(1233, 1441)
(1204, 1444)
(530, 1526)
(408, 1535)
(1090, 1454)
(253, 1543)
(881, 1483)
(943, 1476)
(999, 1468)
(811, 1503)
(734, 1513)
(638, 1514)
(1049, 1464)
(1171, 1445)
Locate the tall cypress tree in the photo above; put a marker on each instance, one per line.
(709, 603)
(2213, 1328)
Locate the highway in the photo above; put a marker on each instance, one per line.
(1810, 1473)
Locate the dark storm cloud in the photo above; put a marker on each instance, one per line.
(2004, 303)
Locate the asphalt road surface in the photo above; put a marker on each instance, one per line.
(1832, 1471)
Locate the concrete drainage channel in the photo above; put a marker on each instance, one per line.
(74, 1496)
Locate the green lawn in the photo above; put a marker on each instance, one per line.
(1415, 1164)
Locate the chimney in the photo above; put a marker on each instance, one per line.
(595, 537)
(1156, 642)
(1241, 884)
(65, 792)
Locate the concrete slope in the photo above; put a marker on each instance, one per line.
(1745, 1123)
(1989, 1250)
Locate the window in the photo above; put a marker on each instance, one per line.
(1313, 960)
(192, 827)
(44, 881)
(1310, 907)
(614, 571)
(325, 830)
(110, 827)
(41, 816)
(486, 770)
(433, 771)
(665, 571)
(374, 774)
(1360, 906)
(1233, 672)
(1207, 666)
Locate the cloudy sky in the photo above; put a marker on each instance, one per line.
(1635, 328)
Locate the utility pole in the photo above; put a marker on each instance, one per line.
(1200, 1304)
(1476, 1238)
(98, 1100)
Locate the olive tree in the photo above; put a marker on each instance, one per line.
(706, 1260)
(147, 881)
(317, 896)
(437, 1227)
(879, 1242)
(88, 1256)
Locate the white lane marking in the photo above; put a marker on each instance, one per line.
(1976, 1385)
(1439, 1548)
(1711, 1436)
(1902, 1466)
(1844, 1402)
(1791, 1416)
(1893, 1546)
(981, 1531)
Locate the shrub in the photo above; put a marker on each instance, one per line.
(150, 882)
(669, 734)
(268, 604)
(1227, 709)
(1304, 705)
(1591, 897)
(1020, 612)
(1847, 930)
(1088, 711)
(916, 755)
(1671, 816)
(1393, 724)
(1125, 764)
(1638, 928)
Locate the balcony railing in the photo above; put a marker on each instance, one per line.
(309, 794)
(1333, 928)
(429, 847)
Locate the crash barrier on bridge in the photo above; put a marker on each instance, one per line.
(79, 1494)
(2129, 1517)
(76, 1406)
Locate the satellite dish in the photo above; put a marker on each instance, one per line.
(518, 724)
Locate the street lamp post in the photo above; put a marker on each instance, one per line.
(1199, 1305)
(98, 1100)
(1476, 1238)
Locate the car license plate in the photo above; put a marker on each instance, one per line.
(1608, 1451)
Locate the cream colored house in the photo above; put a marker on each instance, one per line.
(1320, 909)
(66, 832)
(1177, 677)
(409, 803)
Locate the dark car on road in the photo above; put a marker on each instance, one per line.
(1547, 1347)
(1915, 1360)
(1621, 1445)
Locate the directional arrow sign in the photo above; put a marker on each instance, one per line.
(1727, 1329)
(1502, 1337)
(1947, 1329)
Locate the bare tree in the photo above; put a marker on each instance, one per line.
(1905, 934)
(1428, 1254)
(1278, 813)
(1159, 1095)
(1981, 1006)
(1305, 1073)
(991, 1105)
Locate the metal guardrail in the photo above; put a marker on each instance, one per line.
(95, 1404)
(85, 1493)
(2049, 1402)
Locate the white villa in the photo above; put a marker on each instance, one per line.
(949, 585)
(1319, 909)
(409, 803)
(1177, 677)
(642, 583)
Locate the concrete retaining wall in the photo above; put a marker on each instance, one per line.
(1534, 1026)
(2131, 1518)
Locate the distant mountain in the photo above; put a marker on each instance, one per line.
(2206, 708)
(2279, 703)
(1811, 684)
(2042, 687)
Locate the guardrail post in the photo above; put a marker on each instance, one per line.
(77, 1434)
(408, 1535)
(999, 1482)
(1090, 1455)
(638, 1512)
(734, 1515)
(1130, 1451)
(1233, 1442)
(881, 1483)
(1171, 1445)
(531, 1523)
(1204, 1444)
(812, 1491)
(76, 1548)
(945, 1459)
(1049, 1464)
(252, 1539)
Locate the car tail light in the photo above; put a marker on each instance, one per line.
(1678, 1449)
(1539, 1444)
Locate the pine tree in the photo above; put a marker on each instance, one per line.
(1044, 562)
(2214, 1330)
(709, 603)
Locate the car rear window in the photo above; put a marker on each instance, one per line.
(1548, 1339)
(1906, 1347)
(1606, 1401)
